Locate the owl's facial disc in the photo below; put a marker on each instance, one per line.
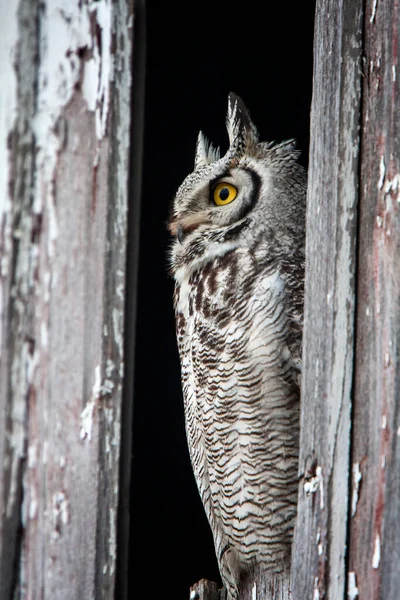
(215, 204)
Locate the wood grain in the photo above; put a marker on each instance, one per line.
(63, 298)
(375, 531)
(319, 552)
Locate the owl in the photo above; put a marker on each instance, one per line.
(237, 258)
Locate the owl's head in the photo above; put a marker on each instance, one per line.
(256, 191)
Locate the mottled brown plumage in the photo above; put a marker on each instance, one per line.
(239, 268)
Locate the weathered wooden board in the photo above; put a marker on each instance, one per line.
(65, 129)
(319, 552)
(375, 522)
(206, 590)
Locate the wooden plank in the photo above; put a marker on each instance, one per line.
(263, 586)
(319, 552)
(375, 531)
(124, 555)
(64, 301)
(206, 590)
(19, 32)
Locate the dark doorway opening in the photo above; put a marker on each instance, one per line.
(196, 54)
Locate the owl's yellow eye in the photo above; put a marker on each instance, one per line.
(224, 193)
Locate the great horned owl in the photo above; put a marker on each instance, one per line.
(238, 263)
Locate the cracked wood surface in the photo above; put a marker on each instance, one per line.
(63, 246)
(319, 552)
(375, 531)
(347, 541)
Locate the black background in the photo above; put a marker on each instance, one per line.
(197, 53)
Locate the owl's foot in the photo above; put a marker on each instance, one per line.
(229, 573)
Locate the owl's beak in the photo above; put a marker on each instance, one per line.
(180, 234)
(181, 227)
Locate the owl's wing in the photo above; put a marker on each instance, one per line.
(193, 397)
(292, 273)
(234, 362)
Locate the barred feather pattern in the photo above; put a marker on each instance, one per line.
(239, 350)
(239, 277)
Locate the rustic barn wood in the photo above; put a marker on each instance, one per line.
(319, 552)
(264, 587)
(206, 590)
(375, 522)
(64, 135)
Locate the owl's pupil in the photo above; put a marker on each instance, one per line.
(224, 193)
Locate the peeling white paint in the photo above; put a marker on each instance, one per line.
(63, 462)
(29, 359)
(33, 506)
(391, 184)
(117, 317)
(398, 432)
(87, 421)
(312, 485)
(91, 81)
(60, 513)
(382, 171)
(379, 221)
(373, 13)
(96, 389)
(105, 68)
(87, 413)
(383, 461)
(32, 456)
(254, 592)
(8, 113)
(110, 367)
(113, 540)
(120, 290)
(65, 29)
(384, 421)
(99, 390)
(107, 387)
(376, 559)
(352, 589)
(316, 590)
(357, 476)
(319, 474)
(393, 73)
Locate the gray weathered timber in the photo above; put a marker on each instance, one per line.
(266, 587)
(375, 523)
(206, 590)
(318, 566)
(124, 557)
(17, 163)
(63, 205)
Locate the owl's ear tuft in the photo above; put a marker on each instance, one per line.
(206, 153)
(243, 136)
